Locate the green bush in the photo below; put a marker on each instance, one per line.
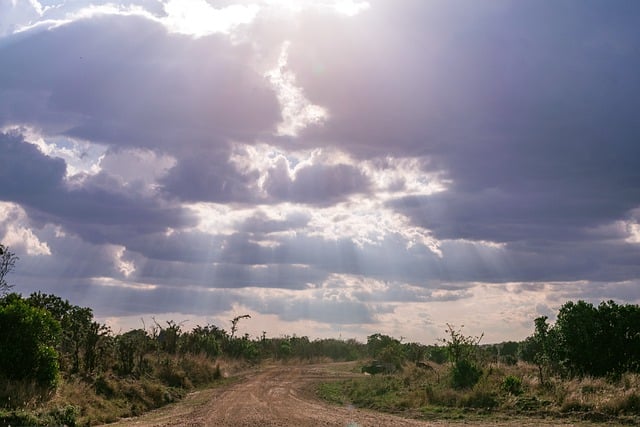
(65, 416)
(28, 336)
(512, 385)
(465, 374)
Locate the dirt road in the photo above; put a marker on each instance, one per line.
(274, 396)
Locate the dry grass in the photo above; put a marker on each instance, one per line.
(107, 397)
(23, 394)
(414, 389)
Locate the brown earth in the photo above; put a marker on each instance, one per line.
(280, 396)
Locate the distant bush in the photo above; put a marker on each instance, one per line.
(512, 385)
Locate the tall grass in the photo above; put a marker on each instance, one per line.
(106, 397)
(504, 390)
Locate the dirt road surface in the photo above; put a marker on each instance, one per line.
(281, 396)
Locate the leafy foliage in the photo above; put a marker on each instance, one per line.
(463, 354)
(28, 336)
(587, 341)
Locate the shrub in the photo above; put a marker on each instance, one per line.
(512, 385)
(64, 416)
(28, 336)
(465, 374)
(172, 374)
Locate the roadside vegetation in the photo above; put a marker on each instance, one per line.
(59, 366)
(585, 367)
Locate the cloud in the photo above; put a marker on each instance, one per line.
(25, 173)
(136, 86)
(419, 161)
(315, 184)
(36, 181)
(15, 14)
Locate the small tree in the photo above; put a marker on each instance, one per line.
(463, 355)
(7, 262)
(537, 348)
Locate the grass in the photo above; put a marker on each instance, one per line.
(107, 397)
(503, 392)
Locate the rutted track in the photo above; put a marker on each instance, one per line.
(273, 396)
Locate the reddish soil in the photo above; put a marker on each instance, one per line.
(280, 396)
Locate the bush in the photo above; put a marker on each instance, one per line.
(65, 416)
(465, 374)
(512, 385)
(28, 336)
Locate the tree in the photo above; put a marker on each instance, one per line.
(463, 355)
(598, 341)
(78, 329)
(587, 341)
(386, 349)
(202, 340)
(537, 348)
(28, 336)
(7, 262)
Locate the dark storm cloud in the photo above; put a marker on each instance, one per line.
(124, 301)
(208, 177)
(25, 173)
(403, 293)
(181, 246)
(326, 311)
(36, 182)
(316, 184)
(261, 224)
(123, 80)
(447, 77)
(71, 259)
(528, 109)
(493, 214)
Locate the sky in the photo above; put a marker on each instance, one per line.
(333, 168)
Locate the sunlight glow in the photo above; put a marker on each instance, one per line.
(342, 7)
(198, 18)
(17, 233)
(22, 236)
(297, 111)
(406, 176)
(218, 219)
(633, 228)
(114, 283)
(125, 267)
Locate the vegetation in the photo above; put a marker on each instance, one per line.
(59, 366)
(601, 341)
(7, 262)
(585, 366)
